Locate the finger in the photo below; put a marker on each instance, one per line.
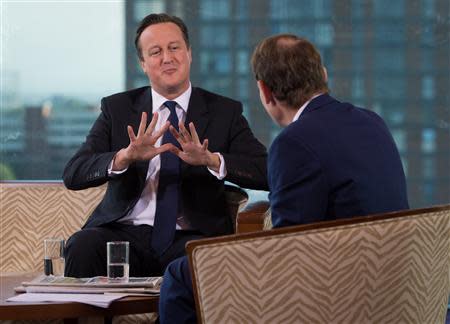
(167, 147)
(152, 125)
(160, 132)
(180, 153)
(131, 133)
(180, 130)
(194, 133)
(176, 134)
(205, 144)
(142, 125)
(184, 133)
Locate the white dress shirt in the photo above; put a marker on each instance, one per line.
(145, 208)
(299, 112)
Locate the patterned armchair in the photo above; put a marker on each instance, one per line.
(33, 211)
(386, 268)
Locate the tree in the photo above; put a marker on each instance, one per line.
(6, 172)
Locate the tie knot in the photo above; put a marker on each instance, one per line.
(171, 105)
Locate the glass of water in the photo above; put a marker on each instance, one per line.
(118, 263)
(54, 257)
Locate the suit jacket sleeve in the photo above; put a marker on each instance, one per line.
(89, 166)
(298, 186)
(246, 159)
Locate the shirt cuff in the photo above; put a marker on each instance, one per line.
(222, 169)
(110, 170)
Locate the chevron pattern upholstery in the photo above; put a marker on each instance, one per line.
(391, 268)
(31, 212)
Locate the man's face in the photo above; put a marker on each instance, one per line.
(166, 59)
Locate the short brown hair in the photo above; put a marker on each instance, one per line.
(154, 19)
(291, 67)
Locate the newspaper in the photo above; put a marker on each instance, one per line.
(99, 300)
(97, 291)
(95, 285)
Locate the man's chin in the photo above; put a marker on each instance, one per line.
(174, 88)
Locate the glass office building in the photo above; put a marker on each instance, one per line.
(390, 56)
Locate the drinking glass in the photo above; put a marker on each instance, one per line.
(118, 263)
(54, 257)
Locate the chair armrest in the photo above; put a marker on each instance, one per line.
(253, 217)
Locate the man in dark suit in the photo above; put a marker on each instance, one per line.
(332, 160)
(165, 185)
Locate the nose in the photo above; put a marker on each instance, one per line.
(167, 57)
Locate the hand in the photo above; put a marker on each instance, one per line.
(142, 146)
(192, 151)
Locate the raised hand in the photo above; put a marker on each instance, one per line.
(142, 146)
(192, 150)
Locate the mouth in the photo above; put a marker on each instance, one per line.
(169, 71)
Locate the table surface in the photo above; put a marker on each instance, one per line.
(53, 310)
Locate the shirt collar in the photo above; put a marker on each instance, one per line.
(299, 112)
(182, 100)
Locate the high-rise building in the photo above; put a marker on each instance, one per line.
(390, 56)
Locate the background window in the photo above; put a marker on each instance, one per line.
(56, 68)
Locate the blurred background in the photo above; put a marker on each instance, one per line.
(59, 58)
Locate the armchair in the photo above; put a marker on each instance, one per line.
(255, 217)
(237, 199)
(391, 267)
(32, 211)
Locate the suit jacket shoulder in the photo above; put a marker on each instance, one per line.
(133, 93)
(212, 97)
(216, 102)
(138, 99)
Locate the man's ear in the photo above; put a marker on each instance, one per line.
(325, 74)
(266, 93)
(141, 63)
(190, 54)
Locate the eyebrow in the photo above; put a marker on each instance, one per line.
(159, 46)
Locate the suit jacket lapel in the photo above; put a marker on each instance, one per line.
(197, 113)
(143, 103)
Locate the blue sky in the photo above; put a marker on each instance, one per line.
(74, 48)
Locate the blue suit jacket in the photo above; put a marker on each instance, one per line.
(335, 161)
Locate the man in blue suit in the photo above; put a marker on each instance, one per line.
(332, 160)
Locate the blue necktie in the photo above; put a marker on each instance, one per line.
(167, 200)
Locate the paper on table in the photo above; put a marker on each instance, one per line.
(100, 300)
(133, 282)
(143, 291)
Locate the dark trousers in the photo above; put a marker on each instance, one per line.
(176, 301)
(85, 250)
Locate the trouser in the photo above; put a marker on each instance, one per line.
(85, 251)
(176, 301)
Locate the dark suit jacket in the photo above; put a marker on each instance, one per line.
(335, 161)
(216, 118)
